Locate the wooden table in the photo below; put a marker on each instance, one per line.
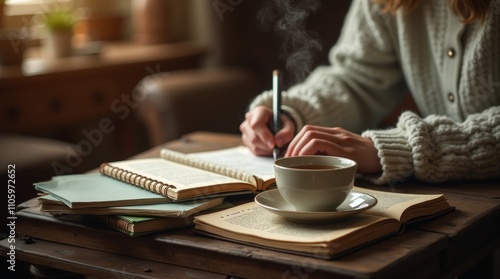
(459, 242)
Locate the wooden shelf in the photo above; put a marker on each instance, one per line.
(112, 56)
(46, 94)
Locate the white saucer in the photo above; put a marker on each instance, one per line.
(355, 203)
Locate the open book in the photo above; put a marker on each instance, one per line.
(186, 176)
(251, 224)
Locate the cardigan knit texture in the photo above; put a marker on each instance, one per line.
(451, 69)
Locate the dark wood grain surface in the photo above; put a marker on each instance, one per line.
(444, 246)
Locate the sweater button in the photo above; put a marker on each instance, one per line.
(450, 52)
(451, 97)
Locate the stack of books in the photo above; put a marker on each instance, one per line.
(117, 204)
(148, 195)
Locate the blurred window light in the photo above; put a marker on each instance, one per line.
(21, 1)
(27, 7)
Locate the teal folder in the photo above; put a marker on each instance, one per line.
(97, 190)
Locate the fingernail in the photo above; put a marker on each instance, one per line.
(270, 144)
(279, 141)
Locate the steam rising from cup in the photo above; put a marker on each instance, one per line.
(287, 18)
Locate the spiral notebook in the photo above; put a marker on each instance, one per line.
(180, 176)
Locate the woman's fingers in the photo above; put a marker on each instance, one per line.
(256, 134)
(314, 140)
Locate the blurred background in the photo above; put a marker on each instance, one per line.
(84, 82)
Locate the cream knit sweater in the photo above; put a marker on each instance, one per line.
(452, 71)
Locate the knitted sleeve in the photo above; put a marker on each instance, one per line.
(436, 149)
(361, 86)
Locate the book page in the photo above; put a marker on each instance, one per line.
(237, 162)
(252, 220)
(404, 206)
(240, 158)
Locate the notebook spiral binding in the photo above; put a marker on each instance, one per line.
(149, 184)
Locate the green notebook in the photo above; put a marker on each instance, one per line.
(136, 225)
(52, 205)
(97, 190)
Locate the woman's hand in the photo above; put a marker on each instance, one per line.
(257, 136)
(312, 140)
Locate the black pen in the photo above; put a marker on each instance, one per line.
(276, 107)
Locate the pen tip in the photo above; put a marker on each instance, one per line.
(276, 153)
(276, 73)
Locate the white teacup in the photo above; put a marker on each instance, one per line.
(314, 183)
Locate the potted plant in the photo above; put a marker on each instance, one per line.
(59, 23)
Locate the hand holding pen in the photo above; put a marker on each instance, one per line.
(266, 130)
